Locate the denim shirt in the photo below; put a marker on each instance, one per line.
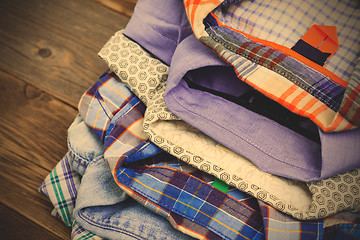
(102, 209)
(182, 194)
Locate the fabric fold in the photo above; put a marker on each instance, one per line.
(266, 42)
(190, 145)
(182, 194)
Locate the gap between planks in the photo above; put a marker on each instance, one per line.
(32, 140)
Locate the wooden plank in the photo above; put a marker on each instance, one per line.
(53, 44)
(33, 123)
(33, 128)
(20, 180)
(124, 7)
(15, 226)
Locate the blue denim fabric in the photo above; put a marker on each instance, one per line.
(83, 146)
(101, 206)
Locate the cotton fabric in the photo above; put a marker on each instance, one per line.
(190, 145)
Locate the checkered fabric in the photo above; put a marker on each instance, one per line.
(276, 224)
(114, 113)
(62, 181)
(284, 22)
(346, 231)
(212, 213)
(61, 186)
(280, 226)
(179, 192)
(250, 36)
(79, 233)
(328, 196)
(181, 197)
(101, 110)
(62, 195)
(352, 104)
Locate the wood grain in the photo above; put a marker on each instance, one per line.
(124, 7)
(48, 52)
(33, 123)
(15, 227)
(32, 140)
(53, 44)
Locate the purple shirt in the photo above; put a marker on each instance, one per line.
(307, 154)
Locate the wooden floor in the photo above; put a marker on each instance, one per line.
(48, 58)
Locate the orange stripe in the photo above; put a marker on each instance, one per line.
(156, 167)
(348, 126)
(131, 193)
(291, 53)
(352, 229)
(313, 116)
(319, 110)
(128, 129)
(177, 200)
(188, 229)
(195, 4)
(302, 111)
(336, 123)
(193, 10)
(287, 93)
(296, 109)
(298, 98)
(356, 118)
(352, 96)
(309, 105)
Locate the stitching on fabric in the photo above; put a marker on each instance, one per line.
(153, 30)
(85, 217)
(91, 221)
(73, 152)
(209, 196)
(271, 202)
(243, 138)
(184, 215)
(171, 209)
(285, 73)
(101, 105)
(132, 108)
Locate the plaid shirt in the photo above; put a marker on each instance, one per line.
(61, 186)
(196, 199)
(173, 189)
(306, 88)
(146, 76)
(181, 194)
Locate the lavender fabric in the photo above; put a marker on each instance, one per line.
(159, 26)
(273, 147)
(268, 143)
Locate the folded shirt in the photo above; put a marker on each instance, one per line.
(256, 38)
(184, 195)
(115, 116)
(204, 91)
(61, 186)
(102, 208)
(209, 96)
(103, 100)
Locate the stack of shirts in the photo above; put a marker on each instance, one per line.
(219, 120)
